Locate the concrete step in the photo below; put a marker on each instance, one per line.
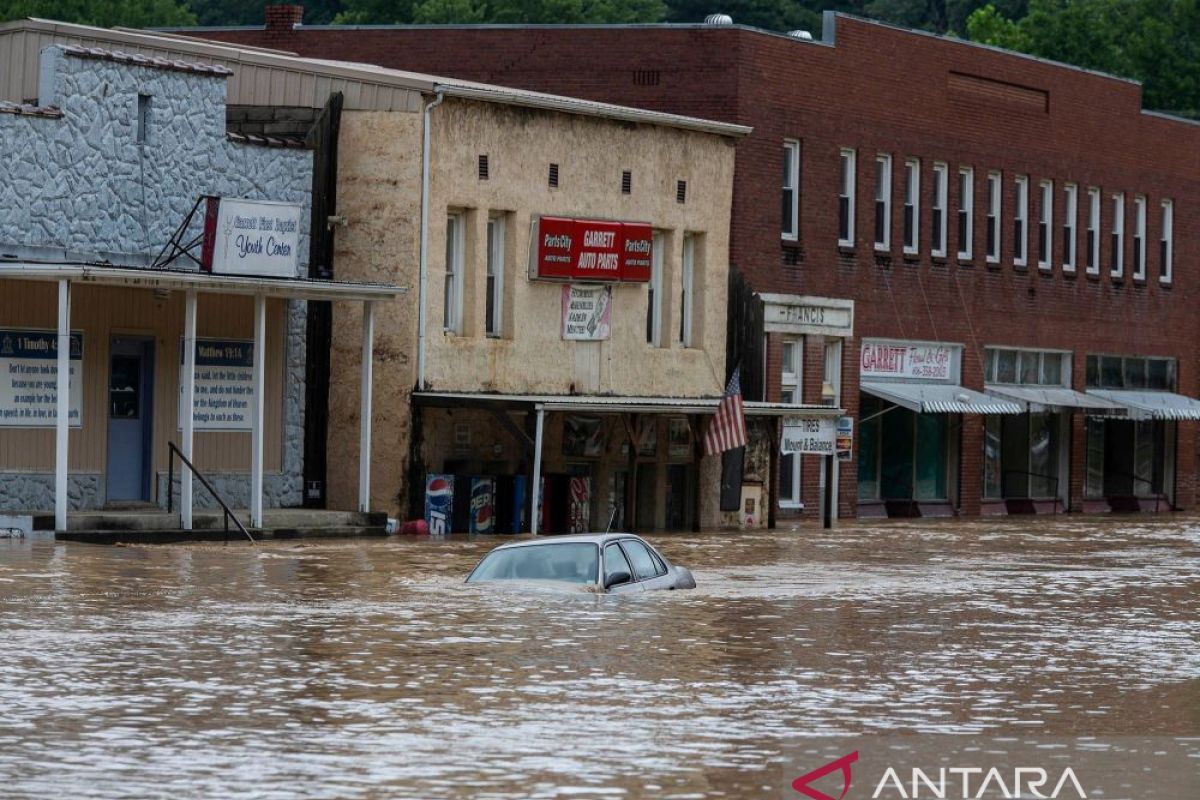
(176, 536)
(157, 520)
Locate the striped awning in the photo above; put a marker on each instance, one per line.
(941, 398)
(1150, 404)
(1038, 399)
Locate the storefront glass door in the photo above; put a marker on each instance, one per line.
(130, 418)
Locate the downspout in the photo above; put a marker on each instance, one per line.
(422, 314)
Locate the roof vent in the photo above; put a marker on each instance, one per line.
(718, 19)
(803, 35)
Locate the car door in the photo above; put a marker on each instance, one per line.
(648, 570)
(615, 561)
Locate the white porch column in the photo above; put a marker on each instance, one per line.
(536, 506)
(187, 423)
(62, 425)
(256, 431)
(364, 418)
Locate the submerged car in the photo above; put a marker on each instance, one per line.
(616, 563)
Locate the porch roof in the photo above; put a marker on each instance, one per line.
(614, 404)
(180, 279)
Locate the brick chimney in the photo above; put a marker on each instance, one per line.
(281, 19)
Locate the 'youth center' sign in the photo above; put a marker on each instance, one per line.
(251, 237)
(224, 394)
(29, 379)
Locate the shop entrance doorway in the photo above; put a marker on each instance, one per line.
(130, 418)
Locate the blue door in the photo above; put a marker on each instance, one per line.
(130, 418)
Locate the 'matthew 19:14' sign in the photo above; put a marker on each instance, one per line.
(586, 251)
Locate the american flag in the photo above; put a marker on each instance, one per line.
(727, 430)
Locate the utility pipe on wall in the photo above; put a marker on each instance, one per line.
(423, 284)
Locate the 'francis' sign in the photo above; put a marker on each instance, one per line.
(251, 237)
(591, 251)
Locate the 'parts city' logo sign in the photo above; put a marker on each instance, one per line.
(966, 782)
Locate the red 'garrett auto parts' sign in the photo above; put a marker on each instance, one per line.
(592, 250)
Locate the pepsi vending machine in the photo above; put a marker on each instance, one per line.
(439, 503)
(482, 515)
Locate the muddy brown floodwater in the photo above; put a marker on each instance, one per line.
(366, 669)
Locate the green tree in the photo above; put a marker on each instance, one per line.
(1154, 41)
(102, 13)
(249, 12)
(500, 11)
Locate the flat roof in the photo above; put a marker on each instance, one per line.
(369, 73)
(179, 279)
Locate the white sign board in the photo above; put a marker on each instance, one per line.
(809, 435)
(29, 379)
(252, 237)
(909, 361)
(224, 394)
(820, 316)
(586, 312)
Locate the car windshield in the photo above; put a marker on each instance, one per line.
(573, 562)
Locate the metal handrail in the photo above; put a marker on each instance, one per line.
(175, 451)
(1004, 485)
(1159, 497)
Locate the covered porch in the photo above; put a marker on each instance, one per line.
(151, 395)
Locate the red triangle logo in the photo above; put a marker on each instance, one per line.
(842, 765)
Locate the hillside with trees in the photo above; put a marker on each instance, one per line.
(1154, 41)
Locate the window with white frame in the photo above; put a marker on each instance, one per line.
(493, 318)
(1045, 224)
(993, 217)
(1139, 237)
(791, 190)
(1070, 218)
(846, 199)
(883, 202)
(1166, 245)
(912, 205)
(452, 298)
(1093, 232)
(654, 291)
(1117, 235)
(1021, 222)
(966, 213)
(687, 297)
(790, 383)
(1003, 365)
(941, 188)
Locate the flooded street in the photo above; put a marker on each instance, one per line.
(366, 669)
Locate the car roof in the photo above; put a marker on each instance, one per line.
(600, 539)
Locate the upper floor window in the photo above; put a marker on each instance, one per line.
(1070, 218)
(1028, 367)
(791, 190)
(1130, 372)
(654, 291)
(941, 178)
(452, 298)
(1139, 238)
(846, 199)
(912, 205)
(1093, 232)
(493, 323)
(966, 213)
(1117, 236)
(1045, 223)
(1021, 222)
(1166, 243)
(993, 218)
(883, 202)
(687, 290)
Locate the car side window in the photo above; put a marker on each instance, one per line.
(659, 566)
(639, 556)
(614, 562)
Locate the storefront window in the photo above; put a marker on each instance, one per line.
(868, 448)
(1093, 485)
(789, 384)
(991, 457)
(1126, 458)
(1043, 455)
(931, 431)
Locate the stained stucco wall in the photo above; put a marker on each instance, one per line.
(379, 193)
(80, 187)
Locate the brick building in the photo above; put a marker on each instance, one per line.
(1016, 238)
